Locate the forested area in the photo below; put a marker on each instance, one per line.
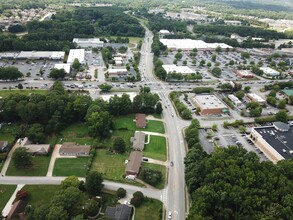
(57, 34)
(232, 183)
(50, 113)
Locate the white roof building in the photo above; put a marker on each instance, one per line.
(164, 32)
(65, 66)
(231, 22)
(117, 72)
(53, 55)
(88, 42)
(255, 98)
(178, 69)
(189, 44)
(269, 72)
(76, 54)
(235, 100)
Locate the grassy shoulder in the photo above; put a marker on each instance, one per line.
(150, 209)
(6, 192)
(40, 194)
(156, 148)
(161, 168)
(71, 166)
(26, 92)
(39, 168)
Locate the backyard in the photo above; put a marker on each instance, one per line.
(128, 122)
(161, 184)
(156, 149)
(150, 209)
(71, 166)
(5, 193)
(39, 168)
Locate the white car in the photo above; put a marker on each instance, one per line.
(169, 215)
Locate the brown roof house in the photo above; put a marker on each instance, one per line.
(134, 163)
(17, 211)
(140, 120)
(40, 149)
(120, 212)
(73, 149)
(138, 140)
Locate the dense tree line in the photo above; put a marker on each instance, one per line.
(158, 22)
(183, 111)
(232, 183)
(243, 31)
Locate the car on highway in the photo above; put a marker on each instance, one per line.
(169, 215)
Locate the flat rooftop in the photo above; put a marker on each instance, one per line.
(278, 140)
(270, 71)
(178, 69)
(65, 66)
(41, 54)
(209, 102)
(87, 40)
(255, 97)
(76, 54)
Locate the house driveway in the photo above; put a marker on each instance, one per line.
(8, 205)
(150, 117)
(8, 159)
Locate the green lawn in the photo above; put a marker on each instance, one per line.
(9, 132)
(150, 209)
(112, 166)
(39, 168)
(76, 133)
(6, 192)
(156, 149)
(128, 122)
(161, 168)
(6, 93)
(109, 199)
(40, 194)
(71, 166)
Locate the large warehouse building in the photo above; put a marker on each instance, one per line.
(276, 141)
(178, 69)
(37, 55)
(209, 105)
(76, 54)
(269, 72)
(88, 42)
(189, 44)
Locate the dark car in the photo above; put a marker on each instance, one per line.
(145, 159)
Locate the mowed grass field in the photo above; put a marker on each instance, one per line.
(6, 93)
(111, 165)
(39, 168)
(6, 192)
(156, 148)
(77, 132)
(161, 184)
(71, 166)
(40, 194)
(128, 122)
(150, 209)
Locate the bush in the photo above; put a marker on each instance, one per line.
(21, 194)
(121, 193)
(151, 176)
(137, 199)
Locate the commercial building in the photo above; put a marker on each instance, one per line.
(88, 42)
(276, 141)
(73, 149)
(209, 104)
(162, 33)
(255, 98)
(119, 73)
(76, 54)
(189, 44)
(235, 100)
(178, 69)
(65, 66)
(118, 60)
(38, 55)
(138, 140)
(120, 212)
(232, 23)
(243, 74)
(269, 72)
(288, 92)
(134, 163)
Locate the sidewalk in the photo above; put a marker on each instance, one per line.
(8, 205)
(53, 158)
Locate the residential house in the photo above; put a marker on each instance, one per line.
(134, 163)
(73, 149)
(120, 212)
(39, 149)
(140, 120)
(138, 140)
(17, 211)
